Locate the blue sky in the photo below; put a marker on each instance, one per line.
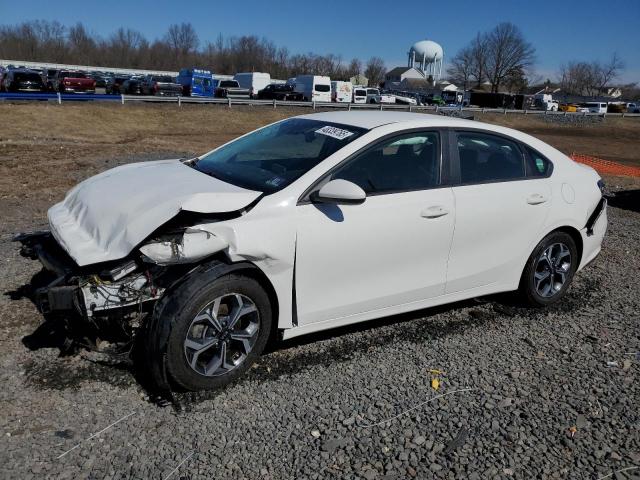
(560, 30)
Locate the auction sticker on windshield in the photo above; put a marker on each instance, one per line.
(334, 132)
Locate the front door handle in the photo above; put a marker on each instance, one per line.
(434, 212)
(536, 199)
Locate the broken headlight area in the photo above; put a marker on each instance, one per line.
(188, 246)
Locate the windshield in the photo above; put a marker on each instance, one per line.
(272, 158)
(27, 76)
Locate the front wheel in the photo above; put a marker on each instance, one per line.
(219, 328)
(549, 270)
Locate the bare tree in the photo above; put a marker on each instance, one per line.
(354, 68)
(609, 71)
(507, 54)
(82, 48)
(591, 79)
(375, 70)
(461, 67)
(479, 52)
(183, 40)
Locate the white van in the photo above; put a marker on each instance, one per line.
(314, 88)
(359, 95)
(596, 107)
(341, 92)
(253, 81)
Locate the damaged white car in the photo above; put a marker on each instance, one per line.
(311, 223)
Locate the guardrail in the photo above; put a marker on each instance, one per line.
(230, 102)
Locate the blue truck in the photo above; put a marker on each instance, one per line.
(196, 82)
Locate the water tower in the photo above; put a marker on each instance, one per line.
(427, 56)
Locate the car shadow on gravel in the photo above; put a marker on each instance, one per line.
(626, 200)
(282, 358)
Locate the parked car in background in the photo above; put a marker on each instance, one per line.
(100, 79)
(253, 81)
(633, 107)
(230, 89)
(113, 85)
(132, 86)
(374, 96)
(341, 92)
(279, 91)
(359, 95)
(3, 72)
(596, 107)
(22, 80)
(205, 256)
(161, 85)
(314, 88)
(67, 81)
(545, 101)
(196, 82)
(406, 99)
(48, 77)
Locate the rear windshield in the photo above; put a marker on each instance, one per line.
(322, 88)
(163, 79)
(269, 159)
(229, 83)
(27, 76)
(361, 93)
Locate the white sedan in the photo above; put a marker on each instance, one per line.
(311, 223)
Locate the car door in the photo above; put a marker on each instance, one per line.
(501, 205)
(390, 250)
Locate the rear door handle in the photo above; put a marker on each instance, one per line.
(434, 212)
(536, 199)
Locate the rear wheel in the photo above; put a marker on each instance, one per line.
(549, 270)
(220, 328)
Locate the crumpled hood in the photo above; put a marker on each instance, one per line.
(106, 216)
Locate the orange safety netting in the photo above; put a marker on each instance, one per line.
(606, 167)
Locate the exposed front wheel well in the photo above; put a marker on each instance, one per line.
(258, 275)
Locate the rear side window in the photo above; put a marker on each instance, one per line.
(404, 163)
(537, 165)
(487, 158)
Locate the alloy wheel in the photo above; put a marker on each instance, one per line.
(222, 335)
(552, 270)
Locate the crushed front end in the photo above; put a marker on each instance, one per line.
(108, 301)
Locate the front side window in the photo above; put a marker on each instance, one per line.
(272, 158)
(486, 158)
(404, 163)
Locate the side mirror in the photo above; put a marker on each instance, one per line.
(339, 192)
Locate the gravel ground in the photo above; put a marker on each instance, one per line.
(524, 394)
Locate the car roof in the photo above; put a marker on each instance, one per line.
(372, 119)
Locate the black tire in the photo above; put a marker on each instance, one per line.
(187, 302)
(529, 291)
